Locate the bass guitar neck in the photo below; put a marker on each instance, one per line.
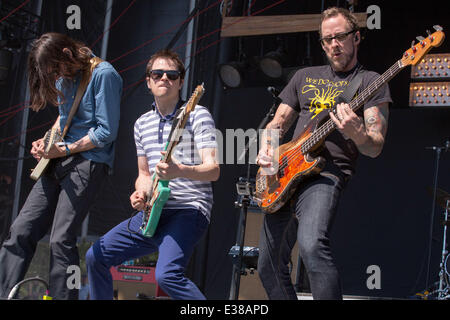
(295, 162)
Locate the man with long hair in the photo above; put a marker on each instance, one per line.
(60, 199)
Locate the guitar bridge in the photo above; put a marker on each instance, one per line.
(261, 184)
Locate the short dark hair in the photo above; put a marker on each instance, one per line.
(166, 54)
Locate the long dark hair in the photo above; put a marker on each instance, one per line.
(47, 61)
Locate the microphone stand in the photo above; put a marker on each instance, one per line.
(444, 293)
(435, 180)
(244, 191)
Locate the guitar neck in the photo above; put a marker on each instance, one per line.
(329, 126)
(167, 156)
(175, 136)
(182, 117)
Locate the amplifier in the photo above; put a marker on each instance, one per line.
(136, 282)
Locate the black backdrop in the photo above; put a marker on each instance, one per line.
(384, 215)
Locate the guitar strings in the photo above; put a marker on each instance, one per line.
(318, 135)
(330, 125)
(193, 101)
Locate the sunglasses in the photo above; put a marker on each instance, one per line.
(158, 74)
(339, 37)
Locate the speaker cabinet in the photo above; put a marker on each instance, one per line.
(136, 283)
(251, 287)
(124, 290)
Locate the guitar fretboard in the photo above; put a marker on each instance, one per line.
(325, 129)
(183, 116)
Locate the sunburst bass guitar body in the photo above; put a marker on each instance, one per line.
(294, 166)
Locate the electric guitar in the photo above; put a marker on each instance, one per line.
(54, 136)
(51, 137)
(295, 162)
(160, 190)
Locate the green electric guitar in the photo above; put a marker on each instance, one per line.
(160, 188)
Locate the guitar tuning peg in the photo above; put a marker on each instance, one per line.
(420, 38)
(413, 47)
(428, 32)
(437, 27)
(412, 43)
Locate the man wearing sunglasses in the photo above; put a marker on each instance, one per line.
(186, 214)
(311, 95)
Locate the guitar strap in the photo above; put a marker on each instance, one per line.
(350, 91)
(95, 61)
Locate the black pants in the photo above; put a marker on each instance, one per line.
(59, 200)
(307, 220)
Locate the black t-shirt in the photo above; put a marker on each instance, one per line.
(313, 91)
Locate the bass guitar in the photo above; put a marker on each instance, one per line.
(160, 191)
(296, 162)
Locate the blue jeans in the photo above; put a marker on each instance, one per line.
(177, 233)
(314, 205)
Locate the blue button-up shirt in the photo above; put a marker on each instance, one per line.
(98, 113)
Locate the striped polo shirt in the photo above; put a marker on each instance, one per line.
(151, 133)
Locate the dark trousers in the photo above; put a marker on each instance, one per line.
(59, 201)
(308, 220)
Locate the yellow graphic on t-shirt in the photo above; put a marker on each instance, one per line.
(324, 98)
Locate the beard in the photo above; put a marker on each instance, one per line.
(343, 62)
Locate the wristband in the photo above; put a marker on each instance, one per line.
(67, 150)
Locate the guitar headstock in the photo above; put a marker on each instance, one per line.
(195, 98)
(413, 55)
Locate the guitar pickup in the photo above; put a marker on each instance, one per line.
(283, 166)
